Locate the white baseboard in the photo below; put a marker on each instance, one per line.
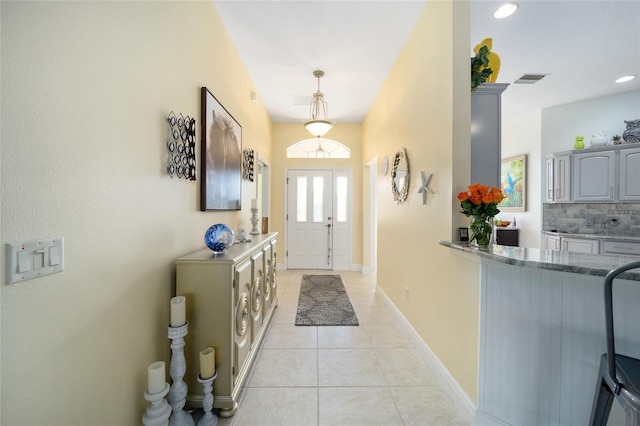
(368, 270)
(356, 267)
(451, 386)
(353, 268)
(483, 419)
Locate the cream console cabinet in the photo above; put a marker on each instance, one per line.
(231, 299)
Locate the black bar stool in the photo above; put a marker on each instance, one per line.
(619, 375)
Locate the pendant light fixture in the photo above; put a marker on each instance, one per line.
(320, 152)
(318, 124)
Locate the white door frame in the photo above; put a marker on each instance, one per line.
(372, 168)
(336, 171)
(264, 207)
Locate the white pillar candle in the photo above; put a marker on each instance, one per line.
(178, 311)
(207, 363)
(157, 380)
(254, 203)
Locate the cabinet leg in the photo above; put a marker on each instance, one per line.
(228, 413)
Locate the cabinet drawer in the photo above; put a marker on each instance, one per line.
(580, 245)
(621, 247)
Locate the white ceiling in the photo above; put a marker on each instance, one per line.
(583, 46)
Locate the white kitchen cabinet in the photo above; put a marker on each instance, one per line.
(580, 245)
(621, 247)
(562, 177)
(629, 172)
(549, 169)
(551, 242)
(594, 176)
(231, 299)
(558, 177)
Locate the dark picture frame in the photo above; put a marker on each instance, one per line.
(463, 234)
(221, 156)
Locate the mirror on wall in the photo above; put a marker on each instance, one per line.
(400, 176)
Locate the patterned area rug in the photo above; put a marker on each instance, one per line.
(324, 301)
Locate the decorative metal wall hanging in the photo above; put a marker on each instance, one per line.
(181, 145)
(247, 164)
(425, 186)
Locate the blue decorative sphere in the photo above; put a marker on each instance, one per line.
(218, 237)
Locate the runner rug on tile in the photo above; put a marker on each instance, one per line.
(324, 301)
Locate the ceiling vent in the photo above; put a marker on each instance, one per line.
(301, 100)
(530, 78)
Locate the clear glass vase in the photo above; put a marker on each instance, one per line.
(481, 231)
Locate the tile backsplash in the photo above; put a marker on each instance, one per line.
(597, 218)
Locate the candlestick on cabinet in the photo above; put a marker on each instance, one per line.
(158, 411)
(254, 222)
(156, 377)
(177, 369)
(208, 419)
(207, 362)
(178, 311)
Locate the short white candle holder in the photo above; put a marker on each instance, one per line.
(254, 222)
(177, 369)
(208, 419)
(158, 411)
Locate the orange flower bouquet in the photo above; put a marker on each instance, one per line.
(481, 203)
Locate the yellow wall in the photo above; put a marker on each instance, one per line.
(86, 87)
(285, 135)
(424, 106)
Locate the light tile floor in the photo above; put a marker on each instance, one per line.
(366, 375)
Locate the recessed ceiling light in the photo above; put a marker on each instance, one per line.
(505, 10)
(625, 78)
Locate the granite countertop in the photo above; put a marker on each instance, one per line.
(594, 236)
(553, 260)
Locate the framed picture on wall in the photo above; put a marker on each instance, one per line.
(513, 181)
(221, 156)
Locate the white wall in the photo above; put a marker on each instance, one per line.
(522, 136)
(561, 124)
(86, 88)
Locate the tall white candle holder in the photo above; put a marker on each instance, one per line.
(158, 410)
(208, 419)
(177, 369)
(254, 222)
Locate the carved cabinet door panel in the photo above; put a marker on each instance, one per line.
(242, 318)
(257, 297)
(266, 282)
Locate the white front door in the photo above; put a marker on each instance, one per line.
(309, 219)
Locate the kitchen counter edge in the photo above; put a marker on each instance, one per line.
(593, 236)
(552, 260)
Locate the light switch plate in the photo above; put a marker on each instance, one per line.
(34, 259)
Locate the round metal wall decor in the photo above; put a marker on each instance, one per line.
(247, 164)
(181, 146)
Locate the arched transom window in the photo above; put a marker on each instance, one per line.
(318, 148)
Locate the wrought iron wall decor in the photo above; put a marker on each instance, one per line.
(181, 145)
(247, 164)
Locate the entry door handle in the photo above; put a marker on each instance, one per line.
(328, 225)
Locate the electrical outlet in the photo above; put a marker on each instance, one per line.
(406, 294)
(589, 221)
